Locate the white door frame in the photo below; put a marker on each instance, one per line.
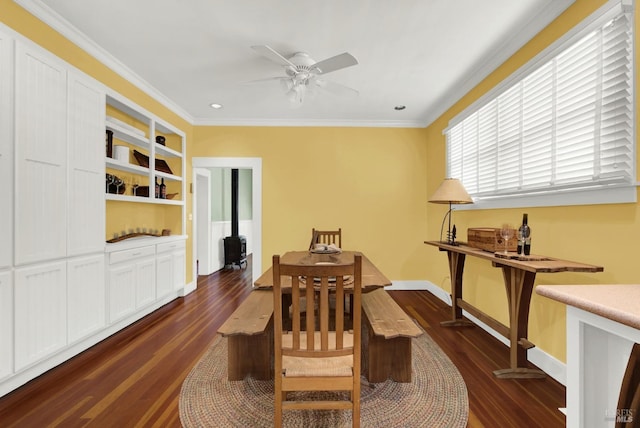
(202, 223)
(255, 165)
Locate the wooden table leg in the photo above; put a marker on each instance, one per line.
(456, 267)
(519, 286)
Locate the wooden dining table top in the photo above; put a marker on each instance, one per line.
(371, 275)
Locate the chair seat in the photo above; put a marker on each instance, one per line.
(327, 366)
(308, 367)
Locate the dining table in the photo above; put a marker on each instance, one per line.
(372, 278)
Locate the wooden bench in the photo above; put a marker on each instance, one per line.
(249, 331)
(387, 335)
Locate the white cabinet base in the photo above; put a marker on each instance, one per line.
(6, 324)
(40, 312)
(598, 350)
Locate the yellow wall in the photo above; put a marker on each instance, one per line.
(600, 234)
(374, 183)
(371, 182)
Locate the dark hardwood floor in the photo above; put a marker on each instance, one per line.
(134, 377)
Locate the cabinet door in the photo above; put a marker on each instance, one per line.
(146, 282)
(179, 269)
(122, 290)
(6, 324)
(40, 312)
(6, 150)
(86, 209)
(164, 274)
(41, 153)
(86, 296)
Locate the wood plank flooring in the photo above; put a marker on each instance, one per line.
(134, 377)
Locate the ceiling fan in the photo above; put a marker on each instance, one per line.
(304, 75)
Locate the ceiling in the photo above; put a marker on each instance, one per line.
(422, 54)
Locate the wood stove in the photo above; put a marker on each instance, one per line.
(235, 246)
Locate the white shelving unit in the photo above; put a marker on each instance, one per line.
(145, 140)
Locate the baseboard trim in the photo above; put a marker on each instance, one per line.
(547, 363)
(189, 288)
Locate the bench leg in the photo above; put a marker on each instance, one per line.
(251, 355)
(387, 358)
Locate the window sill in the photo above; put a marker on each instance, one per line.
(610, 195)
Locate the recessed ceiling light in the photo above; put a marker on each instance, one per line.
(215, 105)
(399, 108)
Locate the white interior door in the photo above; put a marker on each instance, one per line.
(202, 198)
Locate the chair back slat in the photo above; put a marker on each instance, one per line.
(326, 237)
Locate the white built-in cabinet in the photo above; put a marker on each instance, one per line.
(85, 296)
(62, 287)
(143, 273)
(6, 324)
(6, 151)
(170, 261)
(6, 206)
(132, 280)
(86, 215)
(40, 311)
(41, 157)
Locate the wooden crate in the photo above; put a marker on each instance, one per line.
(489, 239)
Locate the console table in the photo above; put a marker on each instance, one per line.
(519, 273)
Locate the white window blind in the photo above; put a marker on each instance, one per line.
(567, 124)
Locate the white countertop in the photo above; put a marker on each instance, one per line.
(617, 302)
(142, 241)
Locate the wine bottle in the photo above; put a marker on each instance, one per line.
(163, 190)
(157, 189)
(524, 236)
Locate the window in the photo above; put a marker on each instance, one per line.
(562, 126)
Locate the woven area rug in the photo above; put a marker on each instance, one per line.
(436, 397)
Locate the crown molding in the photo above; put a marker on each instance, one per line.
(308, 123)
(64, 27)
(501, 53)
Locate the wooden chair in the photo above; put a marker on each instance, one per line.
(319, 353)
(326, 237)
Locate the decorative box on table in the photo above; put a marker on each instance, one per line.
(489, 239)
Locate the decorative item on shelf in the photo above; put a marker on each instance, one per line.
(451, 191)
(524, 236)
(121, 153)
(115, 184)
(109, 141)
(163, 190)
(172, 195)
(489, 239)
(142, 191)
(143, 160)
(160, 140)
(124, 235)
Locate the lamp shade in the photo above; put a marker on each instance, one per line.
(451, 191)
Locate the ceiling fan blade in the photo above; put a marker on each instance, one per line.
(334, 63)
(271, 54)
(336, 88)
(267, 79)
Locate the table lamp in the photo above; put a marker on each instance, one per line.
(451, 191)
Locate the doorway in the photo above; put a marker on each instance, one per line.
(255, 165)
